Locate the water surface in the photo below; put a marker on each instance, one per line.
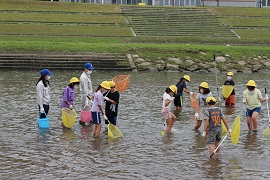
(28, 152)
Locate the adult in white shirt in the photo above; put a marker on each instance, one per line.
(167, 99)
(43, 91)
(86, 85)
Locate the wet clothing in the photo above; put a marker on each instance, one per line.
(214, 116)
(112, 109)
(252, 98)
(43, 96)
(67, 95)
(85, 89)
(178, 101)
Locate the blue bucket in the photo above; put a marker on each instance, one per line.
(43, 121)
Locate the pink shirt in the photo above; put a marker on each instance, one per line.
(98, 99)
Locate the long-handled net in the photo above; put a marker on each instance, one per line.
(121, 82)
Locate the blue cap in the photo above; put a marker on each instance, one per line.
(88, 66)
(45, 72)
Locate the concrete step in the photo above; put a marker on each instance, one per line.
(107, 61)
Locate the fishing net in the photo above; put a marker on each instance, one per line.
(121, 82)
(193, 101)
(235, 134)
(227, 90)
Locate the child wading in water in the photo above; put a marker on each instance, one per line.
(213, 116)
(252, 97)
(230, 101)
(181, 87)
(204, 93)
(97, 106)
(166, 106)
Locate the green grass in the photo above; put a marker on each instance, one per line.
(235, 11)
(246, 22)
(113, 18)
(36, 29)
(253, 33)
(56, 6)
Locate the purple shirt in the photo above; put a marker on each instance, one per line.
(68, 95)
(98, 99)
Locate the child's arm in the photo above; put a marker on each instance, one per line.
(225, 123)
(206, 124)
(167, 102)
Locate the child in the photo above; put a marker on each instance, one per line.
(230, 101)
(204, 93)
(112, 100)
(252, 97)
(167, 99)
(43, 91)
(181, 86)
(213, 116)
(97, 106)
(68, 93)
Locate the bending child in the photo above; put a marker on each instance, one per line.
(167, 99)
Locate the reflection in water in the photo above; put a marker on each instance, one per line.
(213, 168)
(68, 135)
(252, 143)
(167, 149)
(85, 132)
(44, 134)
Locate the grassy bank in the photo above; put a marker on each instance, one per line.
(34, 26)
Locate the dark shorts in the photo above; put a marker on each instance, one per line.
(96, 117)
(178, 100)
(112, 120)
(250, 112)
(214, 136)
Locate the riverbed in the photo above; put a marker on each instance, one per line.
(28, 152)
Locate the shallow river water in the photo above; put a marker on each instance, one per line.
(28, 152)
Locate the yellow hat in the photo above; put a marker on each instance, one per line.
(74, 80)
(105, 84)
(112, 84)
(211, 98)
(230, 74)
(186, 77)
(251, 83)
(173, 88)
(204, 85)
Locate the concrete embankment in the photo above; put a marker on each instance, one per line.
(100, 61)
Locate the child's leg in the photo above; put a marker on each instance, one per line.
(170, 122)
(254, 120)
(95, 129)
(98, 129)
(169, 125)
(198, 124)
(249, 123)
(211, 150)
(216, 144)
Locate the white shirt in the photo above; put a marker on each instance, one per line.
(85, 86)
(165, 97)
(43, 94)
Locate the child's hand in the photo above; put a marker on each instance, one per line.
(204, 133)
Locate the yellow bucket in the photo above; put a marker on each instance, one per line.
(68, 117)
(113, 131)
